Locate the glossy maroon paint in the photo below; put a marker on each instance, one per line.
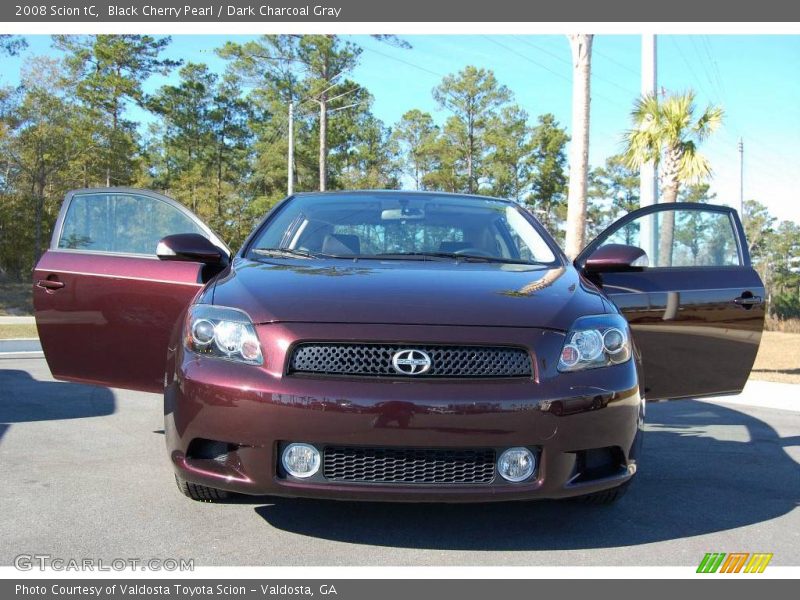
(191, 247)
(407, 293)
(613, 257)
(116, 320)
(258, 407)
(111, 321)
(694, 338)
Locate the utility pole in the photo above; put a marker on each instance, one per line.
(648, 181)
(741, 178)
(290, 157)
(581, 45)
(323, 142)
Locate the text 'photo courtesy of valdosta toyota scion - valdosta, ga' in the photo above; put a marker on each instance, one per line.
(398, 346)
(175, 589)
(215, 10)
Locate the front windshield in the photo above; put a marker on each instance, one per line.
(402, 226)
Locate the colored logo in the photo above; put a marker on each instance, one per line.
(735, 562)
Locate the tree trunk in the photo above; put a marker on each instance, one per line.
(470, 153)
(37, 236)
(323, 144)
(579, 151)
(669, 193)
(220, 153)
(112, 142)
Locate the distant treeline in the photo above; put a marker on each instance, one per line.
(218, 142)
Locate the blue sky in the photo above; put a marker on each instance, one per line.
(754, 77)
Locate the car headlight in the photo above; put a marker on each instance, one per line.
(595, 341)
(222, 333)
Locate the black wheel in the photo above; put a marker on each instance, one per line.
(606, 497)
(201, 493)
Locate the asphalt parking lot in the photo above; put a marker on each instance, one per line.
(85, 474)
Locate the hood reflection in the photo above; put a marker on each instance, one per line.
(536, 285)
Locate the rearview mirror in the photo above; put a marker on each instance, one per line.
(191, 247)
(615, 258)
(402, 214)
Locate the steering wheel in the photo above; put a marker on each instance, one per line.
(475, 252)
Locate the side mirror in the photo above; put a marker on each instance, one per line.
(615, 258)
(191, 247)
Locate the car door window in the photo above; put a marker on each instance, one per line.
(121, 222)
(682, 238)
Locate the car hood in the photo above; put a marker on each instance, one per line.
(407, 293)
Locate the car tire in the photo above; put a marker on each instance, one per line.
(201, 493)
(606, 497)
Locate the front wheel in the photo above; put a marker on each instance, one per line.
(201, 493)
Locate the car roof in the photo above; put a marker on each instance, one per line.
(410, 193)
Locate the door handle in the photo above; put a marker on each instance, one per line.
(748, 301)
(50, 284)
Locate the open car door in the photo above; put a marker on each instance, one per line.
(697, 311)
(105, 304)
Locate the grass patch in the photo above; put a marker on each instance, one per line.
(778, 358)
(784, 325)
(9, 332)
(16, 299)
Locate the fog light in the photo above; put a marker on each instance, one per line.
(516, 464)
(300, 460)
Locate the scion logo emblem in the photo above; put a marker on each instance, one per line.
(411, 362)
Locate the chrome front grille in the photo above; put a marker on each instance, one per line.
(408, 465)
(375, 360)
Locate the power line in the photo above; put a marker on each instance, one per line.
(715, 81)
(410, 64)
(689, 66)
(569, 62)
(616, 62)
(529, 59)
(561, 76)
(716, 95)
(553, 54)
(717, 74)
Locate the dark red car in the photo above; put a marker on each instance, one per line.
(398, 345)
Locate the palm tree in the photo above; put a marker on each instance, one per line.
(667, 132)
(581, 45)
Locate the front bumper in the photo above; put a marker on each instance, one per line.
(255, 410)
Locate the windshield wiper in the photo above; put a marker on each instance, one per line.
(442, 256)
(446, 255)
(411, 256)
(287, 253)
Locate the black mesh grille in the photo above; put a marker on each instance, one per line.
(375, 360)
(408, 465)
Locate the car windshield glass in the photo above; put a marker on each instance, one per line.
(403, 226)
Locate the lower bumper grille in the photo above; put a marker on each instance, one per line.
(408, 465)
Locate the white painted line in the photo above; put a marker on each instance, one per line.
(11, 320)
(24, 354)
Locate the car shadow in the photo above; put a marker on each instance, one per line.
(24, 399)
(704, 468)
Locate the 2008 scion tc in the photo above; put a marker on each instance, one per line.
(398, 345)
